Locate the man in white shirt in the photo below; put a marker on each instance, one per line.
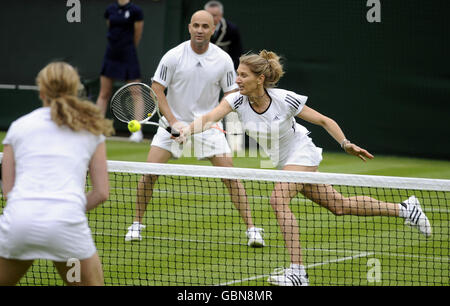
(194, 73)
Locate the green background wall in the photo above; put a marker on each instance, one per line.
(387, 84)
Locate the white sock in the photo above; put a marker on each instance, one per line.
(298, 268)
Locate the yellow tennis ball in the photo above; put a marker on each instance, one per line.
(134, 126)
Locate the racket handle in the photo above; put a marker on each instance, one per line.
(172, 131)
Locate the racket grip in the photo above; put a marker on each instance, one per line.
(172, 131)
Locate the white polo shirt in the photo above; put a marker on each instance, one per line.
(194, 81)
(51, 161)
(276, 130)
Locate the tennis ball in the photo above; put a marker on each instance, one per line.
(134, 126)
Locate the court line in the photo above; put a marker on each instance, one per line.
(391, 254)
(294, 201)
(225, 242)
(364, 254)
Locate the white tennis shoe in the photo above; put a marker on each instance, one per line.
(288, 277)
(134, 232)
(417, 217)
(255, 239)
(136, 136)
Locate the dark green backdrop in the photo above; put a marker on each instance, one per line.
(387, 84)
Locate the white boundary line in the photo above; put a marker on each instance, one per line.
(364, 254)
(293, 201)
(389, 254)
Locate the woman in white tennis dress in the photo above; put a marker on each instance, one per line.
(268, 115)
(46, 157)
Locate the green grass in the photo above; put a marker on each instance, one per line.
(194, 236)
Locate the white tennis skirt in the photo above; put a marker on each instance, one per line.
(51, 230)
(302, 152)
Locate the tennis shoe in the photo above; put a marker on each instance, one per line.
(417, 217)
(134, 232)
(136, 136)
(255, 239)
(288, 277)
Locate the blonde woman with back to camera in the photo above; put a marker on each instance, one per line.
(47, 154)
(261, 107)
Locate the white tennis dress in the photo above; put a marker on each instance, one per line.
(194, 82)
(45, 213)
(284, 140)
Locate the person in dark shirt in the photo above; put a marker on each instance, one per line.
(125, 22)
(227, 34)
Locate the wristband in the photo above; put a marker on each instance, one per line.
(344, 142)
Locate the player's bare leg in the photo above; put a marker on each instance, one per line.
(295, 274)
(240, 201)
(280, 200)
(147, 182)
(106, 87)
(11, 270)
(328, 197)
(145, 192)
(236, 190)
(91, 272)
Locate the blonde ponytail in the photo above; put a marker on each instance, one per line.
(58, 84)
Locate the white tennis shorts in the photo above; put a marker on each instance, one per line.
(51, 230)
(210, 143)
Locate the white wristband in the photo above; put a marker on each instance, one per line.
(344, 142)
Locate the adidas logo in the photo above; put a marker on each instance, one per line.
(276, 118)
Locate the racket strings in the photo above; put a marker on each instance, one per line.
(134, 102)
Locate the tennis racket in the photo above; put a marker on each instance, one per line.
(137, 101)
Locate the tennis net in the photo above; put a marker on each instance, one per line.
(195, 236)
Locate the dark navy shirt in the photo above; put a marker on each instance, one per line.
(121, 24)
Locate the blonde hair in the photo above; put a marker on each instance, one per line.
(265, 63)
(58, 84)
